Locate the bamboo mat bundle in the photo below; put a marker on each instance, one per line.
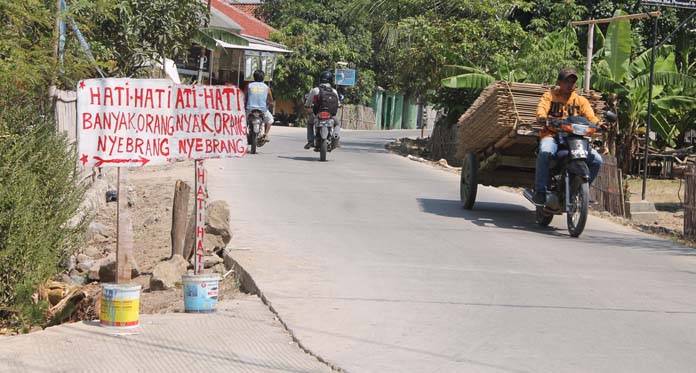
(503, 107)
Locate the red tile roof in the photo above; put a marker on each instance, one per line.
(247, 8)
(250, 25)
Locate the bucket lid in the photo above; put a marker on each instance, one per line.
(201, 277)
(128, 286)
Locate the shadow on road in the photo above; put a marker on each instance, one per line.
(487, 214)
(669, 206)
(309, 159)
(511, 216)
(376, 146)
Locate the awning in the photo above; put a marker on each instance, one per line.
(255, 44)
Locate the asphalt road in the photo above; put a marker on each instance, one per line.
(374, 266)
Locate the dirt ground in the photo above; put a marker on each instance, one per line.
(667, 195)
(150, 197)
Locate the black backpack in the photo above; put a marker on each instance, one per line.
(326, 100)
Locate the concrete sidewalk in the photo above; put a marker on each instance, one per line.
(242, 336)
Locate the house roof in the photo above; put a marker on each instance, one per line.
(247, 8)
(220, 20)
(255, 44)
(250, 25)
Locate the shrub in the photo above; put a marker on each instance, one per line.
(40, 191)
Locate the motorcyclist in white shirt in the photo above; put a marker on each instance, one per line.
(325, 79)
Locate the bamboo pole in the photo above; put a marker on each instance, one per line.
(619, 18)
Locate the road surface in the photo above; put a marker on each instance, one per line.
(374, 266)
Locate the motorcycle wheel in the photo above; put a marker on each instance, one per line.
(579, 203)
(323, 149)
(254, 141)
(543, 218)
(469, 181)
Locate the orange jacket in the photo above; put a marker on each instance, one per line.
(580, 105)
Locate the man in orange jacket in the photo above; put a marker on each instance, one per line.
(561, 102)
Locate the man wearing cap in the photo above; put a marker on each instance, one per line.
(561, 102)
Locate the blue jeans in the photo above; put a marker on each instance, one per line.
(547, 150)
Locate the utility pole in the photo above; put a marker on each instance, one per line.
(203, 58)
(650, 90)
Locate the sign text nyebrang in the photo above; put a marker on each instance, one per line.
(134, 122)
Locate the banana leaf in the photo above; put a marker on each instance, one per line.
(617, 47)
(472, 80)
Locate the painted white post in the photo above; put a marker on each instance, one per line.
(200, 186)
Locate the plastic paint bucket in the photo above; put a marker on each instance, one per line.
(120, 305)
(201, 292)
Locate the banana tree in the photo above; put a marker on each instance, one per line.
(625, 82)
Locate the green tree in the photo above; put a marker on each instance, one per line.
(129, 34)
(536, 61)
(320, 34)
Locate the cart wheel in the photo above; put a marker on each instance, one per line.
(469, 183)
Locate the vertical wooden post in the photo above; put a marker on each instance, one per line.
(179, 216)
(56, 42)
(200, 217)
(124, 231)
(190, 240)
(621, 191)
(590, 50)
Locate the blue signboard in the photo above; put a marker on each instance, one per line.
(345, 77)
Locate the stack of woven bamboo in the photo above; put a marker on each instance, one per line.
(501, 108)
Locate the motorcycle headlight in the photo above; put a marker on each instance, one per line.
(582, 129)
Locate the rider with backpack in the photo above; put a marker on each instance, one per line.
(322, 98)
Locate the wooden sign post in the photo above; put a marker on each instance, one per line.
(124, 231)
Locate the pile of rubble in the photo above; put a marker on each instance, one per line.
(76, 295)
(409, 146)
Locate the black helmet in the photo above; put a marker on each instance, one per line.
(259, 76)
(326, 77)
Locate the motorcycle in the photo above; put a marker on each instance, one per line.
(324, 140)
(568, 190)
(255, 130)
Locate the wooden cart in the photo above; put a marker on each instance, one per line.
(509, 162)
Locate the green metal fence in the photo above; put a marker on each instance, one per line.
(394, 111)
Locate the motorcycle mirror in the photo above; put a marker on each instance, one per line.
(611, 116)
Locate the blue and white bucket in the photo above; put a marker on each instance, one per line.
(201, 292)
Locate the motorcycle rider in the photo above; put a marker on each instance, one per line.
(259, 97)
(561, 102)
(325, 79)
